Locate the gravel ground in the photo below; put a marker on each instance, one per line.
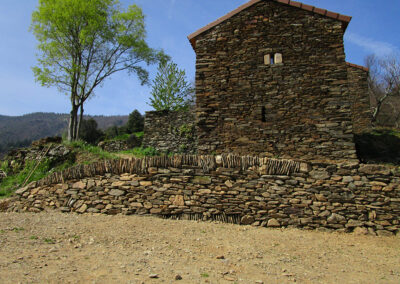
(69, 248)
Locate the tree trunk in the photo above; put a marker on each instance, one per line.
(72, 123)
(80, 120)
(378, 107)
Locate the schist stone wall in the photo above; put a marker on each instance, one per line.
(170, 131)
(243, 190)
(247, 103)
(359, 92)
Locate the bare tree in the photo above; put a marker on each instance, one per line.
(384, 83)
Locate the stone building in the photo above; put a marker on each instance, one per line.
(272, 80)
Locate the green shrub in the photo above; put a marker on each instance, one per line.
(89, 132)
(111, 132)
(135, 122)
(139, 134)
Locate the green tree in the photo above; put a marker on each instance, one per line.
(89, 132)
(170, 89)
(83, 42)
(112, 132)
(135, 122)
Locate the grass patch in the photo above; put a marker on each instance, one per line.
(4, 167)
(121, 137)
(17, 229)
(34, 237)
(97, 151)
(87, 153)
(141, 152)
(139, 134)
(10, 183)
(76, 237)
(63, 166)
(386, 131)
(49, 241)
(204, 275)
(125, 136)
(2, 231)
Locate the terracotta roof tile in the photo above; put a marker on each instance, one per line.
(295, 4)
(307, 7)
(332, 14)
(283, 1)
(320, 11)
(357, 66)
(344, 18)
(324, 12)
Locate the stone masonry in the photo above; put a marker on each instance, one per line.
(358, 88)
(170, 131)
(241, 190)
(272, 80)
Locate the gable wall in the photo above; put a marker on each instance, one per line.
(307, 107)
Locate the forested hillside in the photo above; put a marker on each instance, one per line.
(20, 131)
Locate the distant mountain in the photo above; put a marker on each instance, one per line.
(20, 131)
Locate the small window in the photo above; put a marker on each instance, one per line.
(273, 58)
(263, 114)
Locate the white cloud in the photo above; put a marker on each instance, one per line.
(380, 48)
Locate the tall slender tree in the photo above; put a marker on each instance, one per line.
(171, 90)
(83, 42)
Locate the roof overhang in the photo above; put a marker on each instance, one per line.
(363, 68)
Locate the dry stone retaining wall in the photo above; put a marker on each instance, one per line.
(243, 190)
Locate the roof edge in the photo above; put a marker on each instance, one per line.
(363, 68)
(343, 18)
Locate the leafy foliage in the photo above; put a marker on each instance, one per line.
(81, 43)
(112, 132)
(88, 131)
(135, 122)
(170, 88)
(134, 141)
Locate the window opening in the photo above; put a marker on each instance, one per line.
(263, 114)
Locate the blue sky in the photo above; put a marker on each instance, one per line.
(373, 29)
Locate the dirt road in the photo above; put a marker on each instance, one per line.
(68, 248)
